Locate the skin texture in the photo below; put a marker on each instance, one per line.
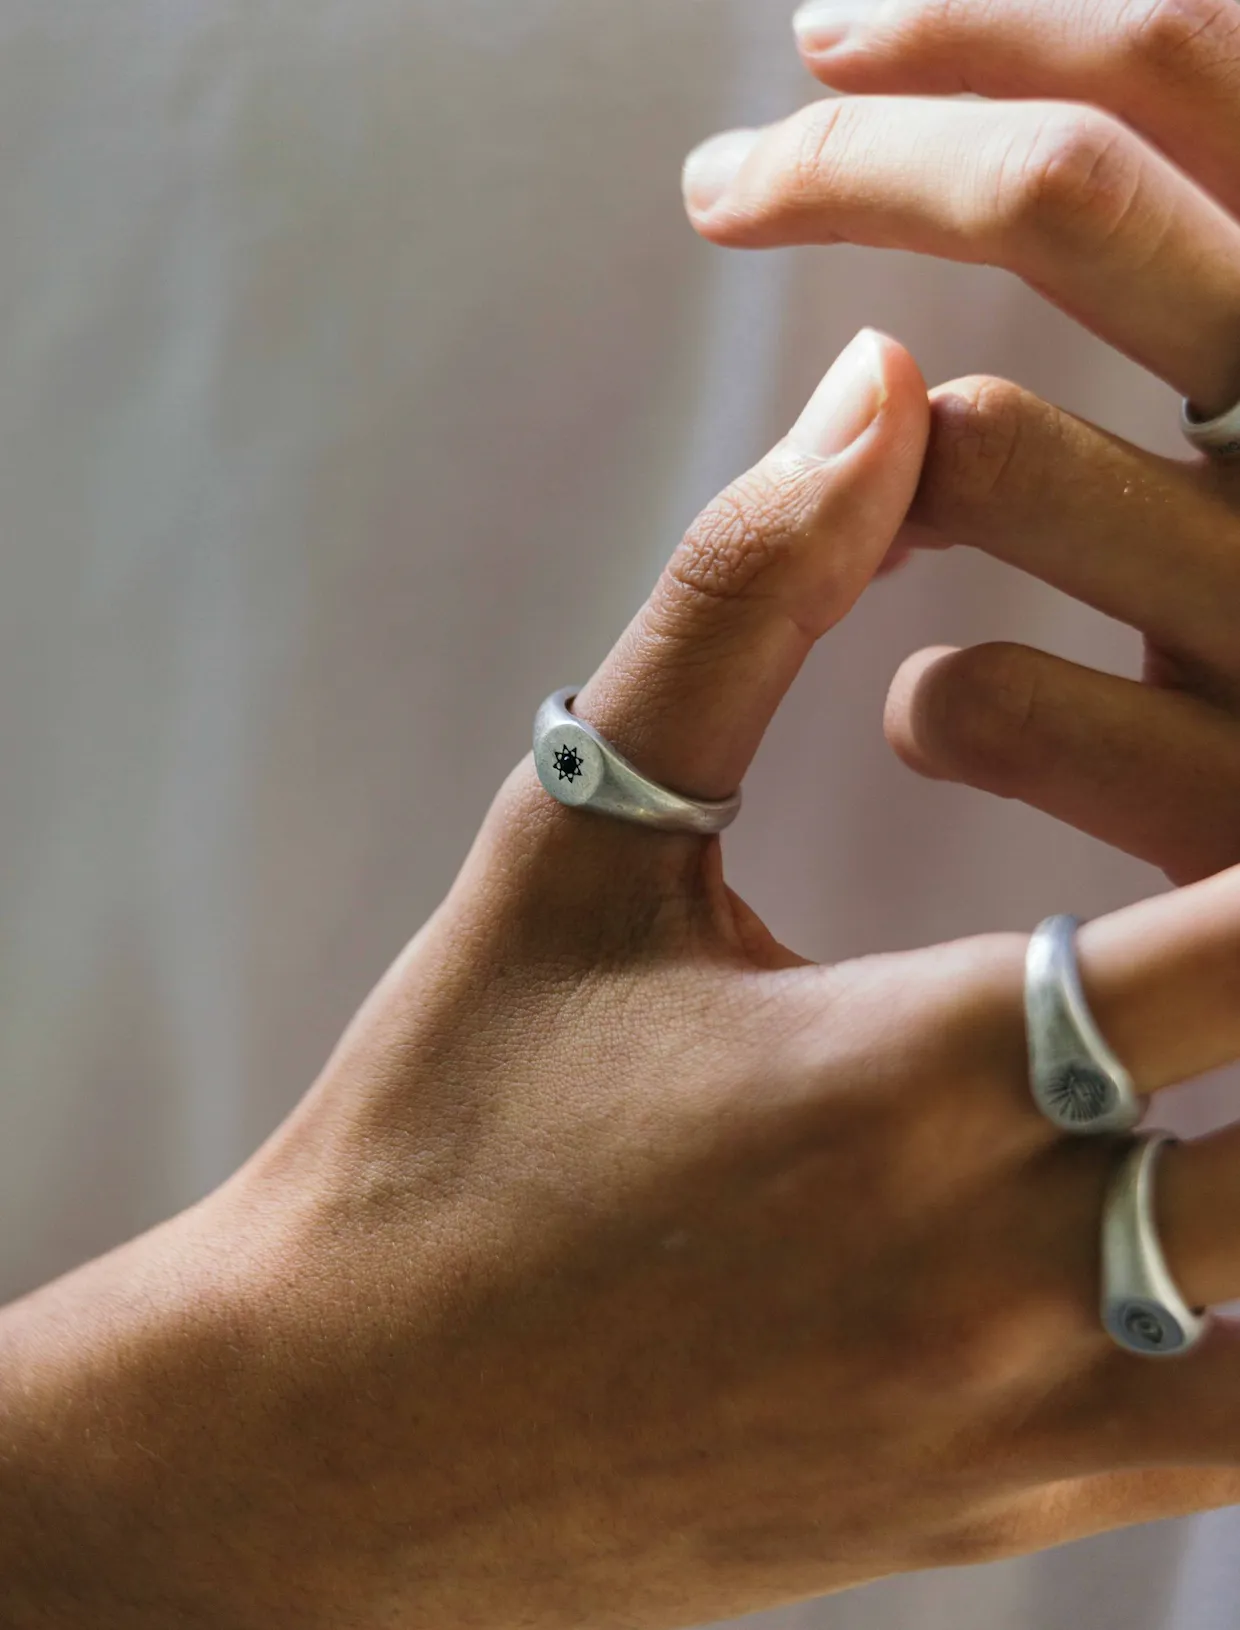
(623, 1268)
(1101, 167)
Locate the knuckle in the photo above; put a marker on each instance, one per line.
(981, 715)
(976, 445)
(1072, 178)
(818, 137)
(1165, 34)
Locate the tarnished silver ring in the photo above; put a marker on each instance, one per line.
(1142, 1310)
(1076, 1080)
(1219, 437)
(579, 767)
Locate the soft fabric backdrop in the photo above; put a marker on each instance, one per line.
(358, 372)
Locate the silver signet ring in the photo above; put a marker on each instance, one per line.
(1142, 1309)
(581, 768)
(1077, 1081)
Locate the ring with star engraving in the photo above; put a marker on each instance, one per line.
(581, 768)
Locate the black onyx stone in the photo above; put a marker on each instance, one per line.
(568, 762)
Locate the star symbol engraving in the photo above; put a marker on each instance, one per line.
(569, 762)
(1080, 1094)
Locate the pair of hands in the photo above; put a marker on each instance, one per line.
(1103, 171)
(623, 1267)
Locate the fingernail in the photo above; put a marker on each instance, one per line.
(711, 168)
(822, 24)
(847, 401)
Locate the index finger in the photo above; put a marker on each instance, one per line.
(1170, 69)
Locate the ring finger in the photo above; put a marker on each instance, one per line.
(1066, 197)
(1160, 978)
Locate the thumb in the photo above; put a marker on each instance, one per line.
(768, 567)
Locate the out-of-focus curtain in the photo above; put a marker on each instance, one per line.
(357, 371)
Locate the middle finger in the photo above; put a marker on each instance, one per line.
(1066, 197)
(1149, 541)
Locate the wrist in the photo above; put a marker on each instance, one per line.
(111, 1466)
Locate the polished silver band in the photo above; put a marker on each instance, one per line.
(579, 767)
(1219, 437)
(1141, 1307)
(1077, 1081)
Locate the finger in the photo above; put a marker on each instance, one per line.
(1169, 69)
(1151, 542)
(1065, 196)
(1161, 979)
(689, 688)
(1119, 760)
(1199, 1216)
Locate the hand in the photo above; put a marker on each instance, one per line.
(624, 1268)
(1086, 203)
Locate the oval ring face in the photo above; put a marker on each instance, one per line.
(1080, 1094)
(570, 763)
(1149, 1329)
(1077, 1082)
(579, 767)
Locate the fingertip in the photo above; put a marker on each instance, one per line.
(900, 364)
(857, 47)
(829, 33)
(907, 392)
(873, 386)
(711, 168)
(907, 713)
(864, 462)
(992, 716)
(842, 66)
(766, 569)
(888, 458)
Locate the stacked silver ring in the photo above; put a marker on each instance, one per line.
(1081, 1087)
(1218, 437)
(1078, 1083)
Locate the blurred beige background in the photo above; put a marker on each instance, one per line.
(359, 371)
